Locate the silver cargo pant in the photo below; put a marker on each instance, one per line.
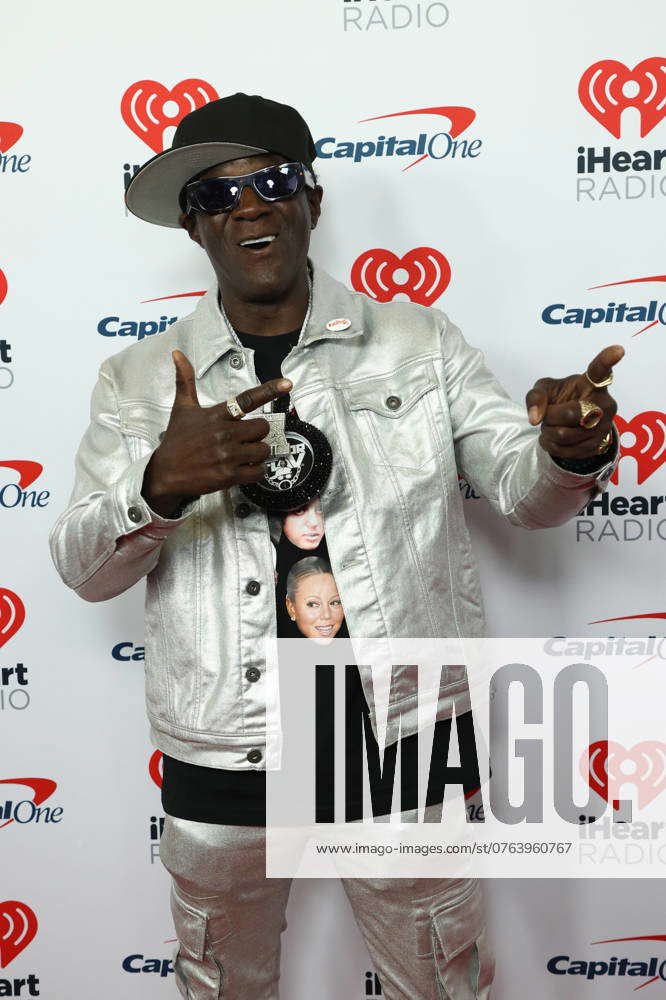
(426, 937)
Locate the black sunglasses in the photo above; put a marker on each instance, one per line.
(221, 194)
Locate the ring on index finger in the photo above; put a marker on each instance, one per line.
(234, 409)
(599, 385)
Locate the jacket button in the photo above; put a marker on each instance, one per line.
(236, 361)
(243, 510)
(134, 514)
(394, 402)
(254, 756)
(252, 674)
(253, 587)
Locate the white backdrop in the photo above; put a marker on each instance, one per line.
(83, 900)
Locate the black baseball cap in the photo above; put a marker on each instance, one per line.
(222, 130)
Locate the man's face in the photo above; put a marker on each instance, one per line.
(256, 275)
(305, 528)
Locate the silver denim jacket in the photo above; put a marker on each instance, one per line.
(393, 510)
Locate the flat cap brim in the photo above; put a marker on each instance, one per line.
(153, 192)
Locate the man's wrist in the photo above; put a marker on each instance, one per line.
(170, 508)
(587, 466)
(161, 503)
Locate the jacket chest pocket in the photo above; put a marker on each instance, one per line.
(397, 415)
(143, 424)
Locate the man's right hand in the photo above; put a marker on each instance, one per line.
(205, 449)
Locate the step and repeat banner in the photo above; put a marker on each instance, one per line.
(504, 162)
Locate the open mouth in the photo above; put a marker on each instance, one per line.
(324, 629)
(259, 242)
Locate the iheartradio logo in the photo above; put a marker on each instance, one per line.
(607, 766)
(18, 926)
(648, 448)
(155, 767)
(148, 108)
(3, 287)
(608, 88)
(422, 275)
(12, 614)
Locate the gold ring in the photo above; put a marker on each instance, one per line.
(599, 385)
(590, 414)
(606, 442)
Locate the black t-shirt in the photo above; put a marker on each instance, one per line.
(307, 604)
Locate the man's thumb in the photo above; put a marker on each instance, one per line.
(186, 388)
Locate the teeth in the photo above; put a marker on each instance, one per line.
(261, 239)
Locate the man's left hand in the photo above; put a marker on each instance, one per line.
(569, 429)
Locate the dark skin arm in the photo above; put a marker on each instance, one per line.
(205, 449)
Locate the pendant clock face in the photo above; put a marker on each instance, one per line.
(293, 480)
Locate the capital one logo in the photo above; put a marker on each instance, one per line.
(12, 614)
(650, 969)
(10, 133)
(608, 88)
(648, 447)
(442, 145)
(148, 108)
(607, 766)
(17, 494)
(12, 163)
(18, 926)
(155, 767)
(423, 275)
(29, 810)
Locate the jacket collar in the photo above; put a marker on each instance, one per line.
(331, 300)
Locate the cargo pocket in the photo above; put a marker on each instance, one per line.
(198, 973)
(463, 961)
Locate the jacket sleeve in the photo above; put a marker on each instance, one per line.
(108, 538)
(498, 451)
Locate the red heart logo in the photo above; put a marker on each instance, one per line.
(155, 766)
(18, 926)
(12, 614)
(649, 446)
(606, 766)
(148, 108)
(608, 87)
(428, 274)
(10, 133)
(3, 287)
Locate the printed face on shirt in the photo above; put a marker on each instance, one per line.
(316, 606)
(305, 528)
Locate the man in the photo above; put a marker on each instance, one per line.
(376, 410)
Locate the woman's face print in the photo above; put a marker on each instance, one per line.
(305, 528)
(316, 607)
